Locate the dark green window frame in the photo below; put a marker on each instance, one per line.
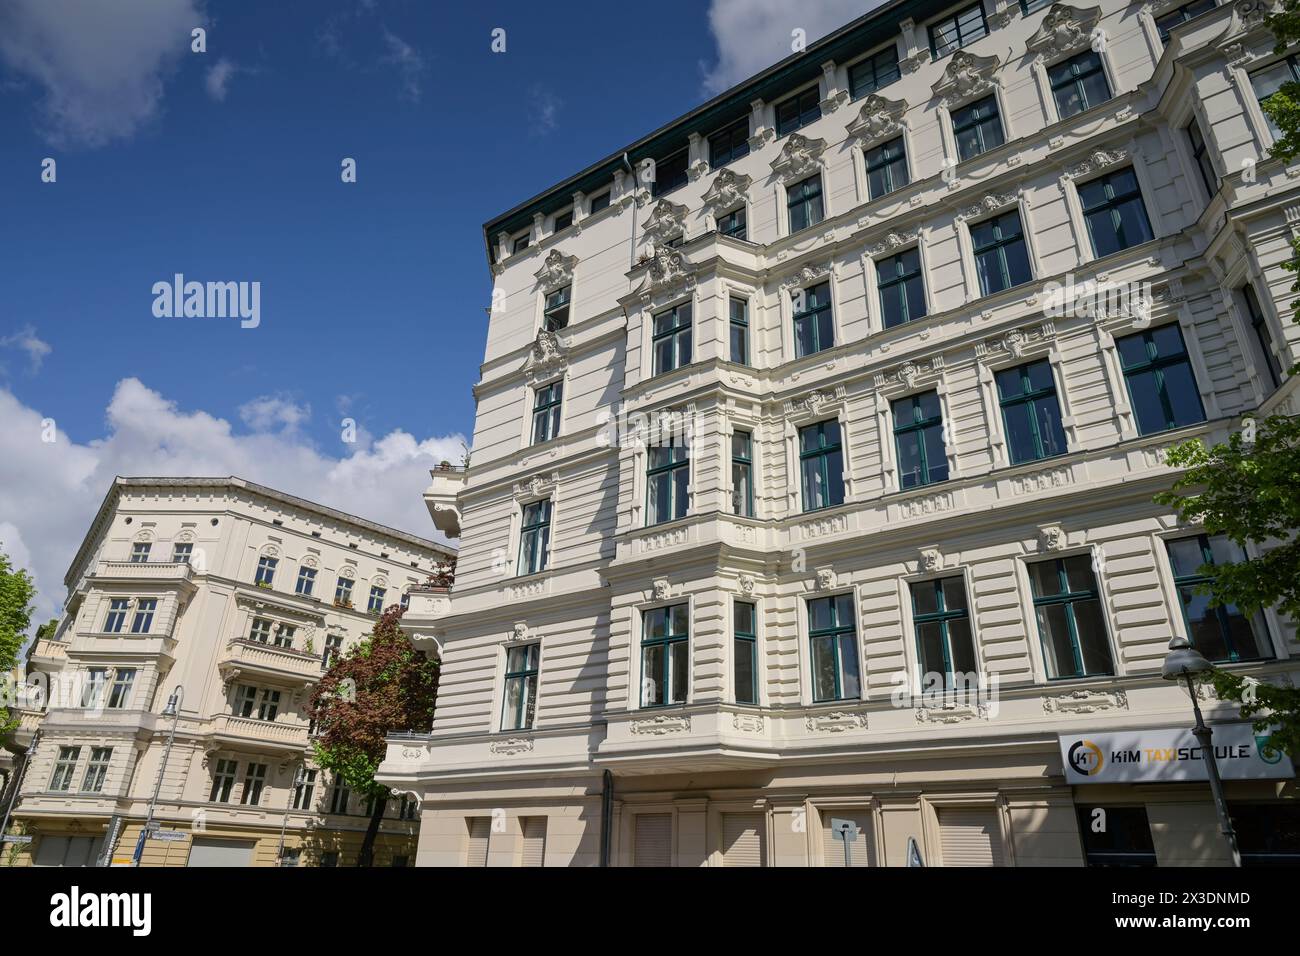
(1117, 209)
(951, 33)
(738, 327)
(547, 402)
(671, 338)
(842, 635)
(745, 638)
(599, 202)
(815, 322)
(945, 618)
(742, 473)
(886, 168)
(900, 284)
(803, 203)
(523, 664)
(555, 313)
(796, 112)
(910, 419)
(535, 537)
(670, 173)
(1069, 599)
(1259, 325)
(1030, 6)
(1000, 243)
(733, 224)
(1158, 366)
(1043, 411)
(729, 143)
(1072, 76)
(1189, 582)
(977, 128)
(874, 72)
(1184, 13)
(825, 459)
(664, 463)
(1201, 156)
(673, 645)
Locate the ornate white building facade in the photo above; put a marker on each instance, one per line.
(929, 300)
(231, 598)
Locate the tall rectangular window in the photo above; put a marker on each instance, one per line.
(119, 694)
(223, 780)
(873, 72)
(1067, 605)
(306, 581)
(117, 608)
(343, 592)
(665, 657)
(886, 168)
(798, 111)
(555, 312)
(92, 694)
(918, 436)
(268, 705)
(260, 630)
(546, 411)
(803, 202)
(598, 202)
(265, 571)
(1115, 213)
(733, 224)
(1259, 325)
(254, 781)
(96, 770)
(814, 325)
(1161, 386)
(340, 795)
(144, 611)
(182, 552)
(535, 537)
(742, 473)
(671, 338)
(834, 641)
(729, 143)
(1078, 83)
(670, 174)
(563, 220)
(1201, 156)
(954, 32)
(1223, 634)
(944, 646)
(1001, 258)
(977, 128)
(739, 330)
(745, 651)
(140, 552)
(521, 242)
(245, 700)
(1030, 412)
(1272, 78)
(375, 603)
(64, 768)
(667, 482)
(821, 465)
(901, 287)
(284, 635)
(1184, 13)
(303, 791)
(522, 666)
(332, 652)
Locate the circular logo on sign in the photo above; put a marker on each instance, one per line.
(1085, 757)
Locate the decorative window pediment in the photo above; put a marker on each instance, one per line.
(727, 191)
(666, 222)
(546, 358)
(965, 76)
(879, 118)
(1098, 159)
(808, 275)
(894, 240)
(800, 157)
(1064, 30)
(1016, 343)
(990, 203)
(556, 271)
(538, 486)
(909, 374)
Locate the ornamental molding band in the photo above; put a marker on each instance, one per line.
(537, 486)
(816, 401)
(663, 539)
(1040, 481)
(1015, 342)
(663, 724)
(930, 504)
(556, 272)
(750, 723)
(727, 191)
(800, 156)
(990, 203)
(808, 275)
(1098, 159)
(546, 357)
(511, 745)
(822, 527)
(835, 722)
(952, 713)
(894, 240)
(666, 222)
(1085, 702)
(1063, 30)
(1051, 538)
(909, 373)
(879, 118)
(965, 76)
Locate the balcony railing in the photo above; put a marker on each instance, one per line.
(440, 497)
(144, 570)
(248, 656)
(48, 650)
(228, 730)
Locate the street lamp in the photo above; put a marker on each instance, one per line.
(1186, 663)
(172, 710)
(299, 779)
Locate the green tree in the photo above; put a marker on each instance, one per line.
(381, 686)
(16, 593)
(1248, 489)
(1283, 108)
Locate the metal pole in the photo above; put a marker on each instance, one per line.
(179, 695)
(298, 780)
(1204, 736)
(848, 857)
(17, 782)
(606, 815)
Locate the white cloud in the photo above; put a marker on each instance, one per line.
(545, 107)
(217, 79)
(26, 340)
(100, 65)
(49, 492)
(269, 412)
(408, 62)
(751, 35)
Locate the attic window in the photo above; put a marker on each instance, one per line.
(277, 521)
(315, 534)
(353, 546)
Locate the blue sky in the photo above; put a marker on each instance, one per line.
(225, 166)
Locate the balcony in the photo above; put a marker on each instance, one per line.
(29, 721)
(440, 497)
(226, 731)
(278, 664)
(49, 653)
(101, 644)
(425, 608)
(142, 571)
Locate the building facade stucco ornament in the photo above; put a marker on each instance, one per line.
(519, 632)
(879, 118)
(668, 271)
(1051, 538)
(666, 222)
(807, 275)
(965, 76)
(800, 157)
(990, 203)
(1064, 30)
(727, 191)
(931, 560)
(1098, 159)
(556, 271)
(546, 358)
(894, 240)
(746, 585)
(660, 589)
(825, 578)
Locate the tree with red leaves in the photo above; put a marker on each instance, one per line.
(382, 685)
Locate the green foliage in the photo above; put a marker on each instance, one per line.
(1283, 108)
(16, 593)
(1273, 710)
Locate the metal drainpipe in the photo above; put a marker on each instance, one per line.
(631, 239)
(606, 816)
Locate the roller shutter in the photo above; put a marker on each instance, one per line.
(534, 841)
(653, 840)
(742, 839)
(480, 828)
(970, 837)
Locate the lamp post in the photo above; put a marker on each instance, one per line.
(299, 778)
(16, 781)
(1185, 663)
(172, 710)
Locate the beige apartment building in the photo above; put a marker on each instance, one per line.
(816, 439)
(225, 600)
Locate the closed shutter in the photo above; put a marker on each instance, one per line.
(742, 839)
(480, 828)
(859, 849)
(220, 853)
(653, 842)
(68, 851)
(534, 841)
(970, 837)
